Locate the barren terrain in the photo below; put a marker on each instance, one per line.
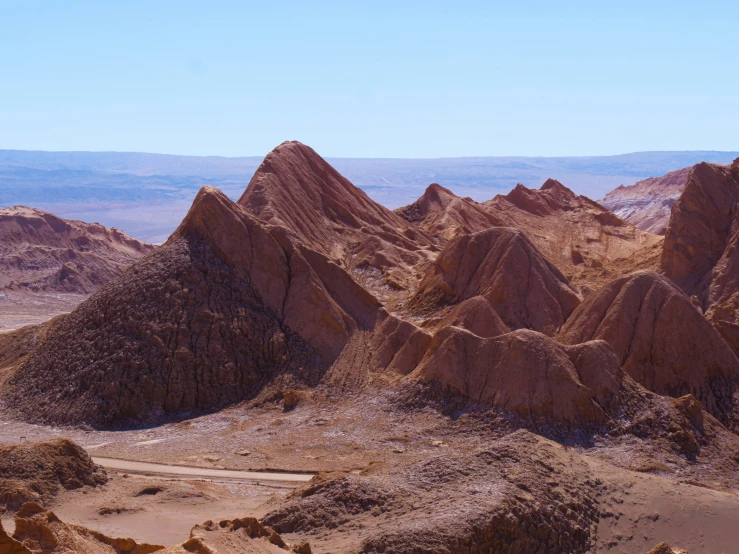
(305, 370)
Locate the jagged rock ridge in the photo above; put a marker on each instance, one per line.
(589, 244)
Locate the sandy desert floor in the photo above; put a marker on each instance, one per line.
(665, 501)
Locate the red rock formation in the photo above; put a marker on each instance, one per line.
(296, 188)
(647, 204)
(42, 252)
(504, 267)
(38, 531)
(477, 316)
(582, 238)
(700, 252)
(661, 340)
(222, 308)
(522, 372)
(444, 214)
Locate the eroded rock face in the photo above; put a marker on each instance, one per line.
(504, 267)
(40, 252)
(213, 315)
(37, 472)
(588, 243)
(444, 214)
(523, 372)
(700, 252)
(648, 203)
(520, 494)
(296, 188)
(661, 340)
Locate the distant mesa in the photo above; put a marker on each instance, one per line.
(647, 204)
(40, 252)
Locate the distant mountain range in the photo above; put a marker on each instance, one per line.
(146, 195)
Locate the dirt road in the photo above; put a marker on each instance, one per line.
(189, 472)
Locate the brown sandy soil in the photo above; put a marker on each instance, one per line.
(135, 507)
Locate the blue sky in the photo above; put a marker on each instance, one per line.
(394, 79)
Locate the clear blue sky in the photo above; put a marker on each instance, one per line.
(397, 79)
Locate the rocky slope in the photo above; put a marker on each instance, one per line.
(583, 239)
(652, 327)
(647, 204)
(39, 531)
(307, 306)
(40, 252)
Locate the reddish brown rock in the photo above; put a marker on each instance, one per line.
(444, 214)
(700, 252)
(589, 244)
(504, 267)
(661, 340)
(647, 204)
(523, 372)
(477, 316)
(296, 188)
(516, 495)
(39, 471)
(223, 307)
(239, 536)
(40, 252)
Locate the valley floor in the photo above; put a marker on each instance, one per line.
(645, 495)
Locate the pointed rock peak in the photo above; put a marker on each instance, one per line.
(292, 157)
(435, 189)
(553, 184)
(435, 194)
(213, 214)
(208, 202)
